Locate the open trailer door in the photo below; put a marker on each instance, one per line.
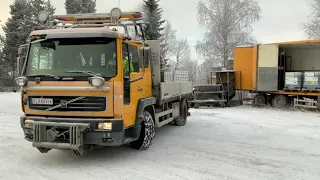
(267, 70)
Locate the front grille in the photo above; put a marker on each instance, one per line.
(89, 103)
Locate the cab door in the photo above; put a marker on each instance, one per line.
(133, 86)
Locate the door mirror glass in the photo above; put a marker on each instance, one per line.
(21, 50)
(20, 63)
(144, 56)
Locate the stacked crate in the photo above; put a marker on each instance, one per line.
(293, 80)
(311, 81)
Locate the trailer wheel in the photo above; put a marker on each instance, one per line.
(147, 133)
(182, 119)
(279, 101)
(259, 100)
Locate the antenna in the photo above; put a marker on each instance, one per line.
(119, 9)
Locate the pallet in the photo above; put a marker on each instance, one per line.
(310, 90)
(292, 90)
(305, 103)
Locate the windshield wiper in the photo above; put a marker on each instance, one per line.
(85, 72)
(47, 75)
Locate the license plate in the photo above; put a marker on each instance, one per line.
(43, 101)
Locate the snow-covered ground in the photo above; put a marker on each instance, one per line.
(231, 143)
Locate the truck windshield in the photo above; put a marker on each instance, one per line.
(60, 56)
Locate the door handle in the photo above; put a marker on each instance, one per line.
(140, 89)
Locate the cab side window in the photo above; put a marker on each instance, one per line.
(134, 58)
(125, 60)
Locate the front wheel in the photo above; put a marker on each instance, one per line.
(147, 133)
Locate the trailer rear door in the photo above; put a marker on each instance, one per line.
(267, 70)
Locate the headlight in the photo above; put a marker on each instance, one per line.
(105, 126)
(21, 81)
(28, 123)
(97, 81)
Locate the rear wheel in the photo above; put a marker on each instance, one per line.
(182, 119)
(196, 106)
(279, 101)
(147, 133)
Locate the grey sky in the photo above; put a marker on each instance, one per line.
(280, 19)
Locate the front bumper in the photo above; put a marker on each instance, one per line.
(49, 132)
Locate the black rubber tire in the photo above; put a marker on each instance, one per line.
(182, 119)
(289, 101)
(147, 133)
(196, 106)
(259, 100)
(279, 101)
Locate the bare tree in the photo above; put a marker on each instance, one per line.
(192, 66)
(312, 27)
(228, 24)
(182, 54)
(168, 40)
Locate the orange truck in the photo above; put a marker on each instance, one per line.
(282, 74)
(85, 83)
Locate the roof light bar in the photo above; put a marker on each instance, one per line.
(99, 17)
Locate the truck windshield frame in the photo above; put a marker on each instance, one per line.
(60, 55)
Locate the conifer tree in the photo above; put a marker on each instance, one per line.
(153, 15)
(80, 6)
(16, 32)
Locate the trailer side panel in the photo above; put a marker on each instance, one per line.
(267, 75)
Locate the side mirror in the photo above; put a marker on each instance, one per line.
(22, 50)
(144, 55)
(22, 56)
(20, 63)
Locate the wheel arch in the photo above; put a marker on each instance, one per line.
(145, 104)
(151, 110)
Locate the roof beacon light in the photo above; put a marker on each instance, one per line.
(115, 14)
(43, 16)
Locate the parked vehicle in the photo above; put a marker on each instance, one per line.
(85, 84)
(282, 74)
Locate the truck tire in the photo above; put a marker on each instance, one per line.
(279, 101)
(289, 101)
(147, 133)
(182, 119)
(196, 106)
(259, 100)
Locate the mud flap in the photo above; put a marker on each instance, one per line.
(44, 135)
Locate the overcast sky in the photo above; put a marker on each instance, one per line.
(280, 21)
